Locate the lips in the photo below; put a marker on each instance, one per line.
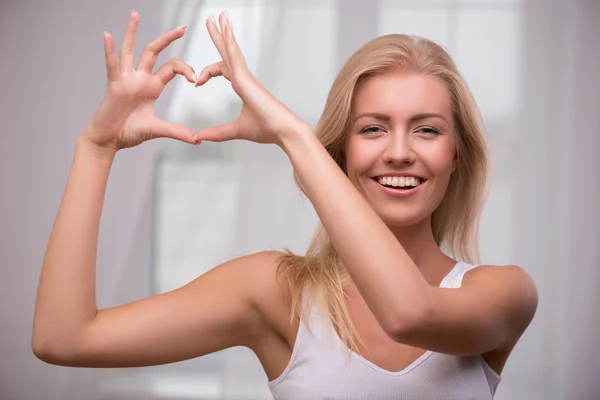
(399, 181)
(398, 176)
(392, 188)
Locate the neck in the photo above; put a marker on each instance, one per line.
(418, 241)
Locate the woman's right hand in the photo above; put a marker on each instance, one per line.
(126, 116)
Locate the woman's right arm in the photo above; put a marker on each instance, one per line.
(216, 311)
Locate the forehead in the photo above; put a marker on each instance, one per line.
(397, 94)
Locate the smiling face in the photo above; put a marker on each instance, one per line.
(402, 134)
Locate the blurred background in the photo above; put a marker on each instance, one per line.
(174, 211)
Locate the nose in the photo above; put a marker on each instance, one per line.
(399, 150)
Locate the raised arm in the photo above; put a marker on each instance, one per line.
(491, 309)
(213, 312)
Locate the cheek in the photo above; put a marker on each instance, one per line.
(358, 158)
(440, 158)
(443, 167)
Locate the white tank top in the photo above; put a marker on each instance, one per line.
(320, 368)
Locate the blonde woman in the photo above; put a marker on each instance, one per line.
(386, 304)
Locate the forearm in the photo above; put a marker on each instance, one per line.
(386, 277)
(66, 299)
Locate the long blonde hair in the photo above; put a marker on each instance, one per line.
(454, 222)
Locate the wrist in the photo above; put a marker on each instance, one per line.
(291, 138)
(98, 152)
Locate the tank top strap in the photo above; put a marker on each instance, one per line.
(454, 278)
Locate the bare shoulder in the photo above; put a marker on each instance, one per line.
(257, 273)
(513, 289)
(257, 269)
(511, 273)
(265, 289)
(261, 269)
(511, 276)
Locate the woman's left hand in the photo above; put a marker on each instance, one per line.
(263, 119)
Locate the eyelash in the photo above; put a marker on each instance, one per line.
(435, 131)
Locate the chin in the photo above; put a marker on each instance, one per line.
(404, 219)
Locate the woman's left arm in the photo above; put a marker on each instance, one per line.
(493, 306)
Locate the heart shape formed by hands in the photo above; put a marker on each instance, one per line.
(126, 118)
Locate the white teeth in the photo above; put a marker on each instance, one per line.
(399, 181)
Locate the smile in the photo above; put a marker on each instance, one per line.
(399, 186)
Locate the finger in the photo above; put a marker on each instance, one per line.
(163, 129)
(153, 49)
(112, 63)
(219, 133)
(217, 38)
(126, 52)
(212, 71)
(236, 58)
(175, 67)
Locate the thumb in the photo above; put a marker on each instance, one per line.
(163, 129)
(220, 133)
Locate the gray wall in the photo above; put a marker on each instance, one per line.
(52, 79)
(558, 196)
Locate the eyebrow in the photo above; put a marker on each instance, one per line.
(387, 118)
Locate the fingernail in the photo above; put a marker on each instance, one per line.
(182, 27)
(212, 19)
(194, 76)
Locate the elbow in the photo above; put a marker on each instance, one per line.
(402, 326)
(400, 329)
(44, 350)
(52, 352)
(41, 349)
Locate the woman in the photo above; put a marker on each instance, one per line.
(395, 170)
